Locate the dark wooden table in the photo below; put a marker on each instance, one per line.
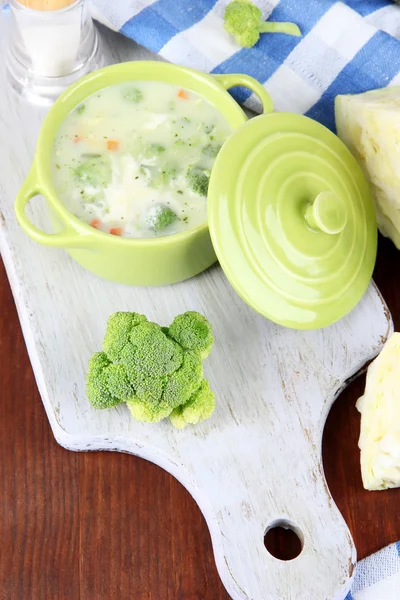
(105, 526)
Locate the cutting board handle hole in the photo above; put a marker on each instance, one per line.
(284, 539)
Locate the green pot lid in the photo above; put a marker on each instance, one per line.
(292, 220)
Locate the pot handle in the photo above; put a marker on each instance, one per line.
(229, 81)
(67, 238)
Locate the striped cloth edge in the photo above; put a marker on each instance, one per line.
(377, 577)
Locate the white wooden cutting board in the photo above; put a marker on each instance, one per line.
(257, 462)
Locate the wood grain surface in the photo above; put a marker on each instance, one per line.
(94, 526)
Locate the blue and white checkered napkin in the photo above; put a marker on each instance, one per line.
(378, 576)
(347, 47)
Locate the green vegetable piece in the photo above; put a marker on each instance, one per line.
(105, 388)
(143, 365)
(148, 413)
(141, 347)
(119, 328)
(199, 407)
(150, 390)
(118, 383)
(151, 360)
(185, 381)
(198, 180)
(147, 405)
(157, 148)
(211, 150)
(243, 20)
(80, 109)
(159, 217)
(154, 149)
(95, 171)
(134, 95)
(129, 359)
(207, 128)
(193, 332)
(157, 354)
(180, 143)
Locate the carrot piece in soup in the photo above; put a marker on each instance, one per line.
(116, 230)
(112, 145)
(95, 223)
(183, 95)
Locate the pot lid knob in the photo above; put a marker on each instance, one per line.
(327, 213)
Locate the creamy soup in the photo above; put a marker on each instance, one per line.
(134, 159)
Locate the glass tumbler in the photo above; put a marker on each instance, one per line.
(51, 44)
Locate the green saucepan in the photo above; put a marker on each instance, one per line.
(155, 261)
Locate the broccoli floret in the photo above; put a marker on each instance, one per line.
(199, 407)
(106, 383)
(211, 150)
(155, 370)
(132, 94)
(95, 171)
(198, 180)
(148, 412)
(159, 217)
(193, 332)
(141, 347)
(185, 381)
(118, 383)
(117, 336)
(157, 354)
(157, 397)
(243, 20)
(147, 405)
